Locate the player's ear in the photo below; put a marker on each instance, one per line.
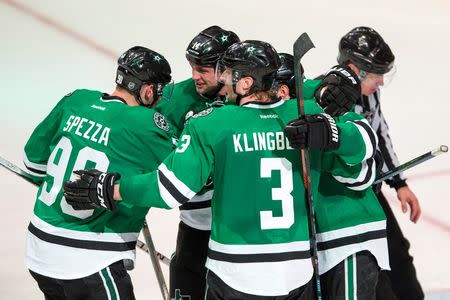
(247, 83)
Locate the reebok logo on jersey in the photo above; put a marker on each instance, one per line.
(98, 107)
(272, 116)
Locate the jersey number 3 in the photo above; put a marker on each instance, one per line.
(283, 193)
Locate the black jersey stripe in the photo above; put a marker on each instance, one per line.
(195, 205)
(371, 134)
(83, 244)
(40, 172)
(353, 239)
(366, 178)
(170, 187)
(257, 258)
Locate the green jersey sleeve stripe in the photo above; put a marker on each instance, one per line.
(179, 189)
(364, 179)
(369, 136)
(34, 166)
(169, 192)
(196, 205)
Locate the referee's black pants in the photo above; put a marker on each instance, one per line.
(401, 282)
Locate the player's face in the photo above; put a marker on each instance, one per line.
(224, 76)
(204, 78)
(371, 82)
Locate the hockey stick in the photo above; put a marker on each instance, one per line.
(143, 246)
(28, 177)
(302, 45)
(409, 164)
(155, 262)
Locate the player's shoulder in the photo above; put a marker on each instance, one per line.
(149, 120)
(350, 116)
(183, 89)
(83, 93)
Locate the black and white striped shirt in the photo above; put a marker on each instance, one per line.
(369, 107)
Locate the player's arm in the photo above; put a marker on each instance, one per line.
(182, 174)
(37, 149)
(350, 137)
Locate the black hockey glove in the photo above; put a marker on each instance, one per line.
(93, 189)
(339, 91)
(313, 131)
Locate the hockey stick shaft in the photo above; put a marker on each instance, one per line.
(413, 162)
(143, 246)
(155, 262)
(301, 46)
(28, 177)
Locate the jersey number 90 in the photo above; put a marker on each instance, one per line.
(57, 165)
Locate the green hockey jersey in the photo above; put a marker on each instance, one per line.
(88, 129)
(360, 223)
(259, 240)
(182, 104)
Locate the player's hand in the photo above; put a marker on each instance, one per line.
(408, 198)
(92, 189)
(313, 131)
(339, 91)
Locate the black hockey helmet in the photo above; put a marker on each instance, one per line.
(365, 48)
(140, 65)
(209, 45)
(255, 59)
(285, 73)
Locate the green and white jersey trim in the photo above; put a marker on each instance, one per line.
(264, 106)
(363, 180)
(38, 170)
(336, 245)
(265, 269)
(69, 254)
(197, 212)
(369, 136)
(173, 191)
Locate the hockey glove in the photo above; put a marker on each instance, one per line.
(313, 131)
(93, 189)
(339, 91)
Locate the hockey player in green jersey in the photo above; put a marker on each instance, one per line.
(79, 254)
(259, 245)
(202, 90)
(187, 267)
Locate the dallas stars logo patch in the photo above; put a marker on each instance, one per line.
(161, 122)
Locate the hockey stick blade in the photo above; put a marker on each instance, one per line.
(28, 177)
(413, 162)
(302, 45)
